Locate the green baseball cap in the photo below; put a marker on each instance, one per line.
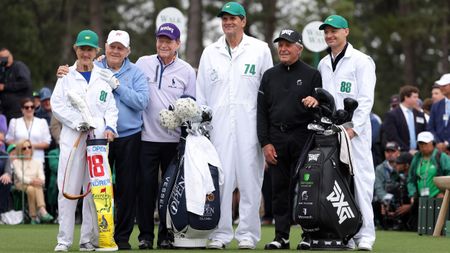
(87, 38)
(10, 148)
(232, 8)
(335, 21)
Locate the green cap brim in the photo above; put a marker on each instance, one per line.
(232, 13)
(80, 44)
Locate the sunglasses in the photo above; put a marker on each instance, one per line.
(26, 147)
(28, 107)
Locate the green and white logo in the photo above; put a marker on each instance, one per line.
(346, 87)
(103, 95)
(306, 177)
(250, 69)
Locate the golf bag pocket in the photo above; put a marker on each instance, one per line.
(308, 191)
(180, 218)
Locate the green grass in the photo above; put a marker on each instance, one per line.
(42, 238)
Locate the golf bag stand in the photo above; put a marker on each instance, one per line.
(189, 230)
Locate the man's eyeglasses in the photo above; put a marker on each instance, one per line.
(26, 147)
(28, 107)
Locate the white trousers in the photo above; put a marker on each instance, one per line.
(364, 185)
(78, 179)
(243, 167)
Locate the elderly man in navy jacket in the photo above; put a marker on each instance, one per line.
(439, 115)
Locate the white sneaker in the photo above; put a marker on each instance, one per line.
(215, 244)
(87, 247)
(246, 244)
(61, 248)
(351, 245)
(364, 246)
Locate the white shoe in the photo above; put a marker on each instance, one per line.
(61, 248)
(364, 246)
(215, 244)
(87, 247)
(246, 244)
(351, 245)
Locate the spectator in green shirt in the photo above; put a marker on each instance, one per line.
(427, 164)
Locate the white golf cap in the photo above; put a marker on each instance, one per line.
(445, 79)
(425, 137)
(118, 36)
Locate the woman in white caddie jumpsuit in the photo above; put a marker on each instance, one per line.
(85, 80)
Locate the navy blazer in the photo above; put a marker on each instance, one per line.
(395, 127)
(437, 125)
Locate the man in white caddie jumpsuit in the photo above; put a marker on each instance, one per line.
(85, 80)
(347, 72)
(228, 80)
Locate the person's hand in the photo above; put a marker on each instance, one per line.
(109, 135)
(100, 58)
(109, 77)
(37, 182)
(403, 209)
(62, 71)
(350, 133)
(83, 127)
(270, 154)
(310, 102)
(5, 179)
(2, 86)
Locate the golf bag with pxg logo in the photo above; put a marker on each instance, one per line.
(324, 203)
(190, 229)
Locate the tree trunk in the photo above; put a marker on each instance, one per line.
(409, 75)
(270, 8)
(96, 19)
(67, 38)
(444, 41)
(194, 42)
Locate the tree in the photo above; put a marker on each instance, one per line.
(194, 43)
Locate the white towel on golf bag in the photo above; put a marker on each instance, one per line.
(198, 154)
(346, 148)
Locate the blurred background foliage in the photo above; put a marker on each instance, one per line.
(408, 39)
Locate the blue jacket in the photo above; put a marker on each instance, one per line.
(436, 124)
(131, 97)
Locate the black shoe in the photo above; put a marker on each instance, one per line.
(277, 243)
(123, 245)
(144, 244)
(165, 244)
(305, 244)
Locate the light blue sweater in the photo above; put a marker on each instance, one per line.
(131, 97)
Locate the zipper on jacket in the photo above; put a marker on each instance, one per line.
(162, 70)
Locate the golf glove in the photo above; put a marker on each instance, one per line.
(109, 77)
(83, 127)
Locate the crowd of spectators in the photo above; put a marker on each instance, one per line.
(415, 138)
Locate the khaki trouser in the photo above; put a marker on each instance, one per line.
(35, 195)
